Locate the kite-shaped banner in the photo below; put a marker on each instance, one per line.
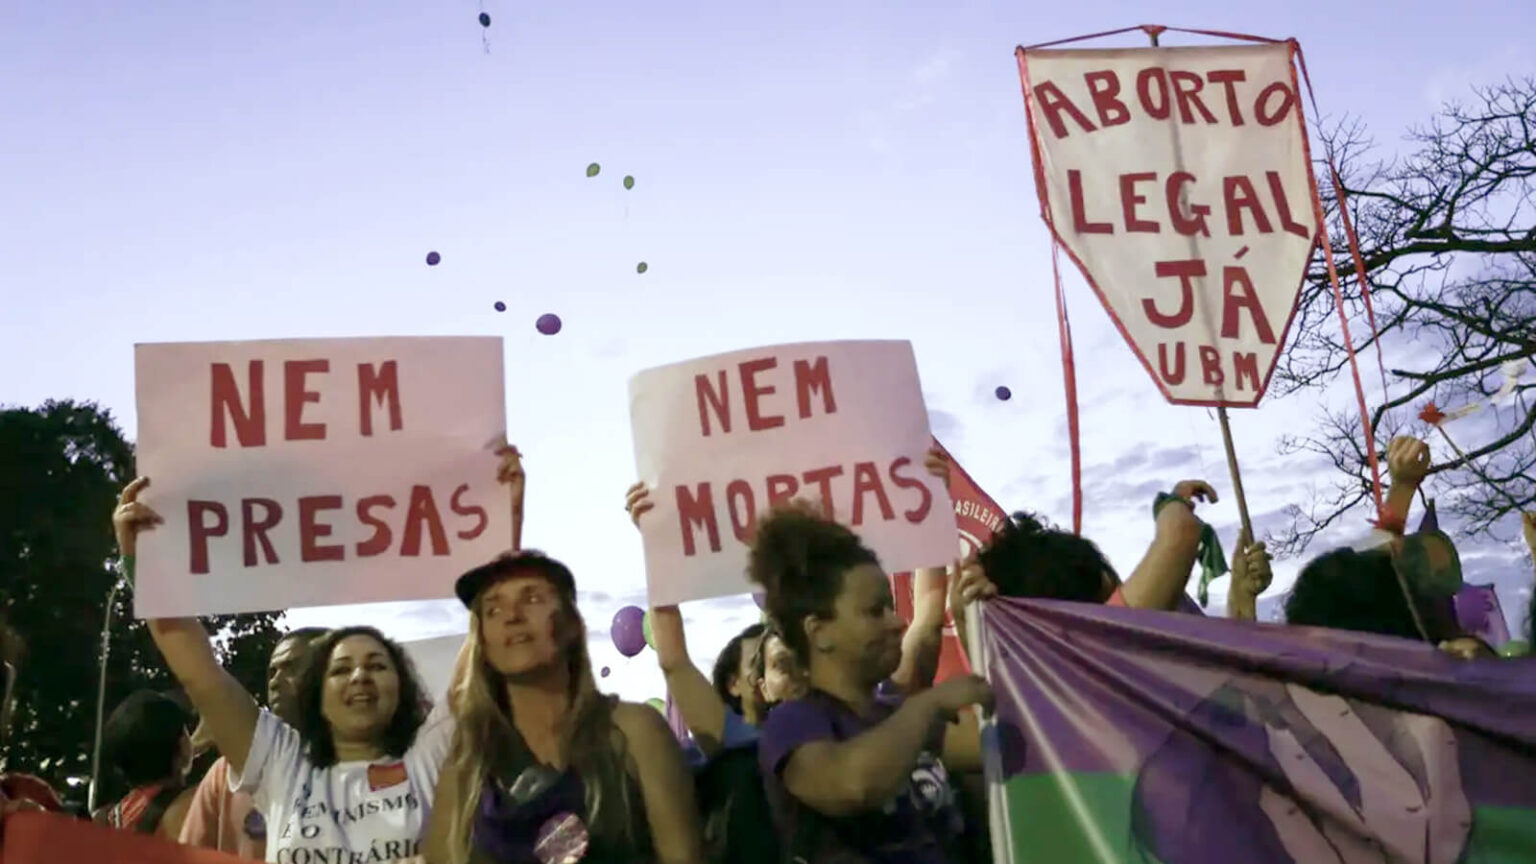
(1178, 180)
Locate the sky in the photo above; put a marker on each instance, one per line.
(179, 171)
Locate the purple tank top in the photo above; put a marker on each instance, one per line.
(538, 820)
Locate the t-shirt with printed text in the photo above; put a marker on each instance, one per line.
(351, 812)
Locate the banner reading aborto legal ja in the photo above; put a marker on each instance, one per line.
(1178, 180)
(313, 472)
(721, 440)
(1159, 738)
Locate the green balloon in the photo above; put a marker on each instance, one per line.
(593, 169)
(658, 705)
(645, 627)
(629, 181)
(642, 267)
(1515, 648)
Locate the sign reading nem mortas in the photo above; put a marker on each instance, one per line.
(721, 440)
(311, 472)
(1178, 181)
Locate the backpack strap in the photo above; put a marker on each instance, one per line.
(149, 821)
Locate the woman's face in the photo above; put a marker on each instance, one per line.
(783, 678)
(521, 625)
(361, 689)
(746, 686)
(864, 633)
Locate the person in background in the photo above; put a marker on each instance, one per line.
(221, 819)
(543, 766)
(724, 713)
(18, 792)
(779, 674)
(147, 740)
(850, 776)
(1383, 586)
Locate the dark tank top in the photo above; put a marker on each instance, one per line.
(541, 818)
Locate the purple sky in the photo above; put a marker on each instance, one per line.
(178, 171)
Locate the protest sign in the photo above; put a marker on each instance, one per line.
(1123, 736)
(312, 472)
(1178, 180)
(721, 440)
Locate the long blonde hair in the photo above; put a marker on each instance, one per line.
(486, 740)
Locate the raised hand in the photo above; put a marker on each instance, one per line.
(509, 470)
(131, 517)
(1407, 460)
(1190, 490)
(1251, 573)
(971, 584)
(636, 501)
(937, 464)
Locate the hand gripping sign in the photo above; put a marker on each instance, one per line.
(721, 440)
(1178, 180)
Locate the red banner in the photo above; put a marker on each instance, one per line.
(977, 518)
(49, 838)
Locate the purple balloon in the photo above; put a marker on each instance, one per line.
(500, 306)
(628, 630)
(1004, 393)
(759, 598)
(548, 324)
(433, 258)
(605, 672)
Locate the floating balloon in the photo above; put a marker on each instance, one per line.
(1004, 393)
(548, 324)
(605, 671)
(628, 630)
(1515, 648)
(485, 20)
(593, 169)
(642, 267)
(500, 306)
(629, 181)
(658, 705)
(433, 258)
(645, 627)
(760, 599)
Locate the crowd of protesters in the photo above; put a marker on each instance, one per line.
(819, 736)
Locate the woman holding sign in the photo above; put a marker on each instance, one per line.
(851, 776)
(545, 768)
(355, 779)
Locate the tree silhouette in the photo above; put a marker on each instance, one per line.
(1448, 236)
(61, 467)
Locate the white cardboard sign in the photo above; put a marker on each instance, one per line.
(312, 472)
(1178, 180)
(720, 440)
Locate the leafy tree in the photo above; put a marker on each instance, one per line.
(1447, 232)
(61, 467)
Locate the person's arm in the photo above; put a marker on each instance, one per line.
(693, 694)
(175, 816)
(969, 586)
(1407, 465)
(1158, 581)
(962, 744)
(844, 778)
(658, 765)
(228, 710)
(510, 472)
(924, 639)
(1250, 576)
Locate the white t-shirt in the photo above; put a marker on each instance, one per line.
(351, 812)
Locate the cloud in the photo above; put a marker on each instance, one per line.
(945, 426)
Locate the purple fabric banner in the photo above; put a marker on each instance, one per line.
(1480, 613)
(1133, 736)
